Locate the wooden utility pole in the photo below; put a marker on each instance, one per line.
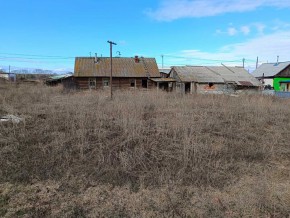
(111, 75)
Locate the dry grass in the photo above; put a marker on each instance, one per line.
(143, 155)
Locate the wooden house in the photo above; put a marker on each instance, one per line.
(214, 79)
(274, 75)
(127, 73)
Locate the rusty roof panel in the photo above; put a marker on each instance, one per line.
(122, 67)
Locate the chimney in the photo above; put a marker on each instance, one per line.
(137, 59)
(96, 57)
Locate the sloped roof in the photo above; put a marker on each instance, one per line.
(270, 69)
(216, 74)
(236, 74)
(197, 73)
(122, 67)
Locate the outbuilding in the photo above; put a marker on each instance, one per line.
(213, 79)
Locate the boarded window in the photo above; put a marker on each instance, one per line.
(92, 83)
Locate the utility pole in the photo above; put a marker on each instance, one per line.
(111, 75)
(243, 62)
(162, 56)
(257, 62)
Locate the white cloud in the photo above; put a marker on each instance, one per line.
(266, 47)
(245, 30)
(175, 9)
(232, 31)
(257, 28)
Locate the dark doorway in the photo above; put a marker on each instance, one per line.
(144, 83)
(187, 87)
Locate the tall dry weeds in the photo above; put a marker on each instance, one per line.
(195, 151)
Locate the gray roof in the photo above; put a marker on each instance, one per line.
(270, 69)
(197, 73)
(216, 74)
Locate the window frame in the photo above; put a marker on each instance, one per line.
(106, 82)
(92, 83)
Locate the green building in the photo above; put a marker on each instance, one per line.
(275, 75)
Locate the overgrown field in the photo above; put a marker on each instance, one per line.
(143, 154)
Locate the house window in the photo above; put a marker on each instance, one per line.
(92, 83)
(132, 83)
(106, 82)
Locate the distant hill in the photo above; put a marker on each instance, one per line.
(18, 70)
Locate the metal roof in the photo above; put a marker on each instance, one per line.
(216, 74)
(122, 67)
(270, 69)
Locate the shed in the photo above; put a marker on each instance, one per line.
(214, 79)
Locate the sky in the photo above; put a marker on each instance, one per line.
(49, 34)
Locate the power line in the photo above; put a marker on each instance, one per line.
(204, 59)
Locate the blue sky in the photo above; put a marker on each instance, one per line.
(48, 34)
